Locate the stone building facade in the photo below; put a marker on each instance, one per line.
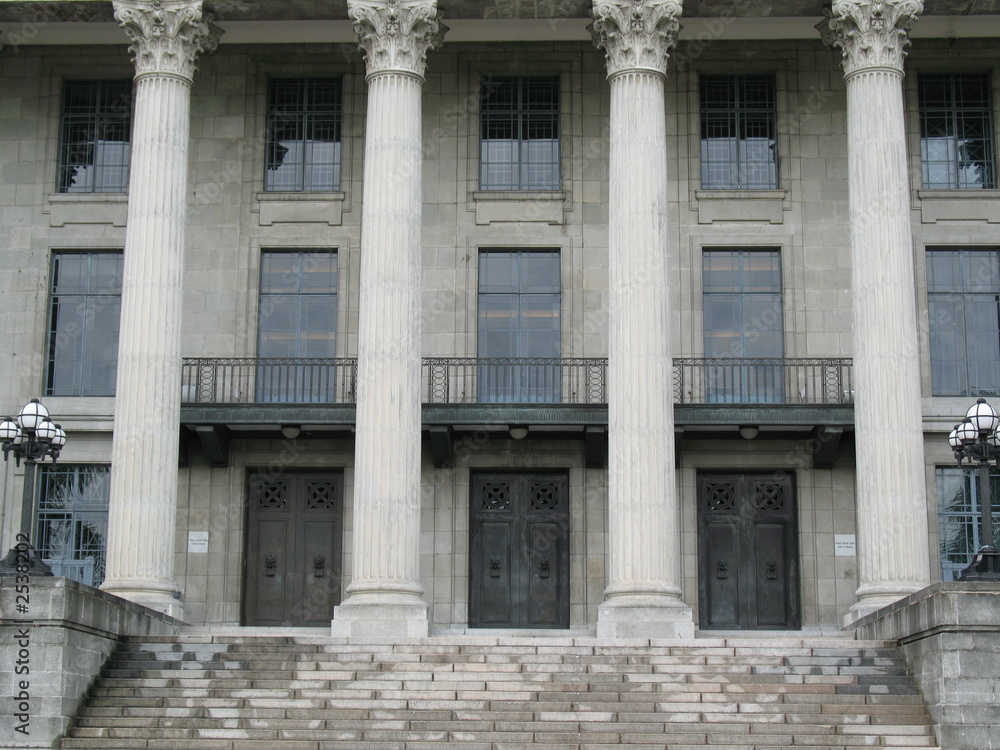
(629, 319)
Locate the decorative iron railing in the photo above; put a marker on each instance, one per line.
(474, 380)
(253, 380)
(538, 380)
(763, 381)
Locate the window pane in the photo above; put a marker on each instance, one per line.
(519, 132)
(303, 135)
(738, 132)
(95, 137)
(956, 130)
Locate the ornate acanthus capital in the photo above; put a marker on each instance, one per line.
(871, 33)
(167, 35)
(636, 34)
(396, 35)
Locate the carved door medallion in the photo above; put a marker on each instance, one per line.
(519, 550)
(748, 575)
(293, 562)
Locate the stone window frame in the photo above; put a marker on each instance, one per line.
(743, 204)
(520, 206)
(957, 204)
(298, 206)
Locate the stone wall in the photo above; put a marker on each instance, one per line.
(949, 634)
(50, 654)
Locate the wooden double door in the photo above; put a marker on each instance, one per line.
(519, 550)
(294, 542)
(747, 552)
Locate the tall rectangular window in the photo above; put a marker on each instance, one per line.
(956, 131)
(738, 132)
(519, 133)
(303, 134)
(84, 311)
(95, 137)
(72, 521)
(743, 320)
(297, 327)
(519, 300)
(959, 525)
(963, 300)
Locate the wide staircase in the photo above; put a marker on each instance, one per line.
(488, 693)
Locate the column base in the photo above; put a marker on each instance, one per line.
(380, 617)
(645, 617)
(157, 599)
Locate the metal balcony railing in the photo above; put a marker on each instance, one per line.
(254, 380)
(474, 380)
(763, 381)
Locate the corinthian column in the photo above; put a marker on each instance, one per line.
(167, 37)
(643, 596)
(893, 552)
(384, 597)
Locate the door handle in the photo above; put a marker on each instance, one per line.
(771, 568)
(270, 565)
(722, 568)
(494, 567)
(319, 566)
(543, 568)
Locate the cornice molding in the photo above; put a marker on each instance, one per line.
(167, 35)
(871, 34)
(396, 35)
(636, 34)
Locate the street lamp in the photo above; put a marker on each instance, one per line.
(32, 437)
(976, 439)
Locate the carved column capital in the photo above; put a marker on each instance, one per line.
(636, 34)
(167, 35)
(870, 33)
(396, 35)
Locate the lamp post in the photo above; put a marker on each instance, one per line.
(976, 439)
(32, 437)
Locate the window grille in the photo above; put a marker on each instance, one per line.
(304, 120)
(738, 131)
(959, 519)
(95, 137)
(956, 131)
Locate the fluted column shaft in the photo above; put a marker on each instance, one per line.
(384, 593)
(643, 595)
(387, 452)
(893, 547)
(142, 513)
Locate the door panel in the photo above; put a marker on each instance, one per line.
(519, 550)
(748, 555)
(294, 538)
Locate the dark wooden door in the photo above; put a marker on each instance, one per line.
(747, 552)
(519, 550)
(293, 563)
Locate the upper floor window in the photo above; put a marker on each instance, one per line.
(519, 133)
(297, 327)
(738, 132)
(963, 301)
(95, 137)
(72, 521)
(956, 130)
(743, 320)
(303, 134)
(959, 524)
(84, 314)
(519, 301)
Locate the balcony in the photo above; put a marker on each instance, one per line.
(559, 394)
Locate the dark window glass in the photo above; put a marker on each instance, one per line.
(738, 131)
(959, 520)
(303, 134)
(963, 300)
(743, 320)
(95, 137)
(519, 300)
(84, 315)
(519, 133)
(72, 521)
(956, 130)
(297, 327)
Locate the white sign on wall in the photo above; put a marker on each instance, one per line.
(845, 545)
(197, 542)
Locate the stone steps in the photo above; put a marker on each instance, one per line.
(300, 693)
